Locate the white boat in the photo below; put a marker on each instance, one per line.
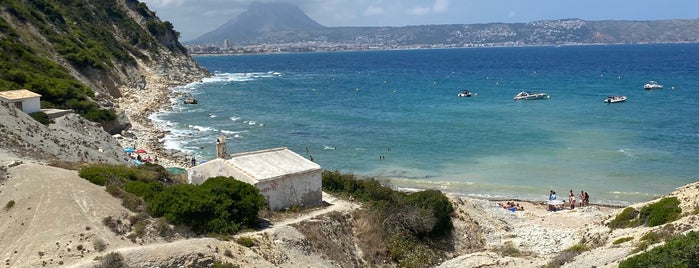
(530, 96)
(615, 99)
(652, 85)
(465, 93)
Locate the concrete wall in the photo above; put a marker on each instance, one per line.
(303, 189)
(31, 105)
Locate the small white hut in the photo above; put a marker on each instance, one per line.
(25, 100)
(283, 177)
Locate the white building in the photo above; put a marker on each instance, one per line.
(283, 177)
(25, 100)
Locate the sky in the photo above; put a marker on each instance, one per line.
(193, 18)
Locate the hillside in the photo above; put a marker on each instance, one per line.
(265, 24)
(83, 55)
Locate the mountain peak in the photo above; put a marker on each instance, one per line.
(260, 19)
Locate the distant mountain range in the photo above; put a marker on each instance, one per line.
(281, 23)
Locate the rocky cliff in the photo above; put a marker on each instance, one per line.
(88, 56)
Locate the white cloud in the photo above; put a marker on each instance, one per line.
(373, 11)
(440, 6)
(420, 10)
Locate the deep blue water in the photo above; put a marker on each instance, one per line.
(351, 108)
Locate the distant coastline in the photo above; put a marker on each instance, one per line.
(283, 49)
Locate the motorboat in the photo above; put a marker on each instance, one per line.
(615, 99)
(531, 96)
(652, 85)
(465, 93)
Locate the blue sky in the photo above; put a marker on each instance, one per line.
(192, 18)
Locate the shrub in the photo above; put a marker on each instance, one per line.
(99, 245)
(221, 205)
(103, 174)
(624, 219)
(681, 251)
(9, 205)
(622, 240)
(661, 212)
(111, 260)
(41, 117)
(567, 255)
(246, 242)
(147, 190)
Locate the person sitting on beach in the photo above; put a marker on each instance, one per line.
(148, 159)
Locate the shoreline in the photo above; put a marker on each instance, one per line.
(148, 135)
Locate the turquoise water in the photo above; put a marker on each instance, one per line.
(396, 115)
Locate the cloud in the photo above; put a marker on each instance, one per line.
(373, 11)
(419, 11)
(439, 6)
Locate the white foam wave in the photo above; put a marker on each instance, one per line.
(202, 128)
(234, 118)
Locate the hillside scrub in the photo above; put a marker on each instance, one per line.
(680, 251)
(413, 227)
(665, 210)
(219, 205)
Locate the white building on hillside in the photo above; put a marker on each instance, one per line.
(283, 177)
(25, 100)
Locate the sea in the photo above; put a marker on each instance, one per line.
(394, 115)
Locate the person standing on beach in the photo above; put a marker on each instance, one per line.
(582, 198)
(194, 161)
(571, 199)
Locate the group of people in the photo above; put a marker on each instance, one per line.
(512, 206)
(584, 200)
(146, 159)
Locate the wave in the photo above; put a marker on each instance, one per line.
(202, 128)
(221, 77)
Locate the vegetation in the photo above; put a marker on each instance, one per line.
(622, 240)
(654, 237)
(680, 251)
(665, 210)
(92, 36)
(111, 260)
(9, 205)
(567, 255)
(413, 227)
(219, 205)
(41, 117)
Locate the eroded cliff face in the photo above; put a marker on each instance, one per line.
(107, 45)
(88, 52)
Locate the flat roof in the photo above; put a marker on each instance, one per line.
(271, 163)
(19, 94)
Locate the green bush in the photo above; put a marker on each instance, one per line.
(439, 205)
(147, 190)
(246, 242)
(624, 219)
(9, 204)
(661, 212)
(41, 117)
(219, 205)
(414, 227)
(681, 251)
(101, 174)
(622, 240)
